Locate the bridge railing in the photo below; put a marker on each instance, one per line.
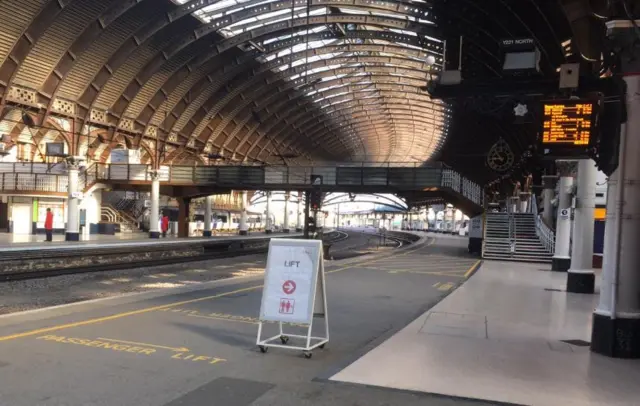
(53, 177)
(33, 177)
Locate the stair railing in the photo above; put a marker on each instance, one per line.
(545, 234)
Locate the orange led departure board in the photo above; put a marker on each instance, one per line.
(568, 123)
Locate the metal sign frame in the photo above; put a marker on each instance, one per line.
(316, 308)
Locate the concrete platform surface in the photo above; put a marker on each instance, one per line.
(197, 346)
(502, 337)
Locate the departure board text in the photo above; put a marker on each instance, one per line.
(568, 123)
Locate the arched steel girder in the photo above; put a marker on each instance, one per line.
(204, 110)
(245, 84)
(415, 113)
(348, 102)
(329, 73)
(206, 77)
(332, 197)
(382, 35)
(91, 33)
(303, 116)
(322, 85)
(280, 92)
(161, 59)
(292, 114)
(349, 97)
(25, 44)
(276, 46)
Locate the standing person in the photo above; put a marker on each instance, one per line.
(48, 225)
(164, 225)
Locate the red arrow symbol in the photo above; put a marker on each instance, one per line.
(289, 287)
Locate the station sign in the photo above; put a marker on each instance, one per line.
(568, 128)
(291, 278)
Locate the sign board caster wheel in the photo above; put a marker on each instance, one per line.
(284, 339)
(322, 346)
(263, 349)
(307, 354)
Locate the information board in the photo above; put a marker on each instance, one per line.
(568, 123)
(291, 281)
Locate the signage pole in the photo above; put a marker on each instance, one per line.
(306, 214)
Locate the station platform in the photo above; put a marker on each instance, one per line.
(509, 334)
(195, 345)
(8, 240)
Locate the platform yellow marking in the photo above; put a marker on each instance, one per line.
(433, 240)
(435, 285)
(175, 349)
(182, 353)
(225, 317)
(170, 305)
(445, 287)
(472, 268)
(140, 349)
(121, 315)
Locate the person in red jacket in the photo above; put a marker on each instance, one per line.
(164, 225)
(48, 225)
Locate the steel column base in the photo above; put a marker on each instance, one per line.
(72, 236)
(207, 233)
(581, 282)
(617, 338)
(559, 264)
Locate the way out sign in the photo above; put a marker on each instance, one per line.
(294, 293)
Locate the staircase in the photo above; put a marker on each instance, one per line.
(513, 237)
(124, 208)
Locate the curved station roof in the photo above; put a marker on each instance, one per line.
(268, 81)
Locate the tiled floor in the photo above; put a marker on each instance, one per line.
(500, 337)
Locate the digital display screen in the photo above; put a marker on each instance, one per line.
(568, 123)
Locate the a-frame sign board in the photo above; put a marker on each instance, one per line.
(294, 293)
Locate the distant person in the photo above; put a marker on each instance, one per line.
(164, 225)
(48, 225)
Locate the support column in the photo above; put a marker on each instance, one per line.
(286, 212)
(616, 320)
(524, 202)
(208, 201)
(299, 213)
(154, 212)
(561, 260)
(549, 184)
(243, 226)
(581, 278)
(269, 226)
(73, 212)
(183, 216)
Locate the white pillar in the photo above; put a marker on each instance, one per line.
(269, 224)
(154, 212)
(561, 259)
(616, 320)
(244, 227)
(208, 201)
(550, 183)
(299, 211)
(581, 278)
(286, 212)
(73, 212)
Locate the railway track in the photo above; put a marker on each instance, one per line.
(96, 255)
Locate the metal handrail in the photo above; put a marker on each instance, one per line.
(545, 234)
